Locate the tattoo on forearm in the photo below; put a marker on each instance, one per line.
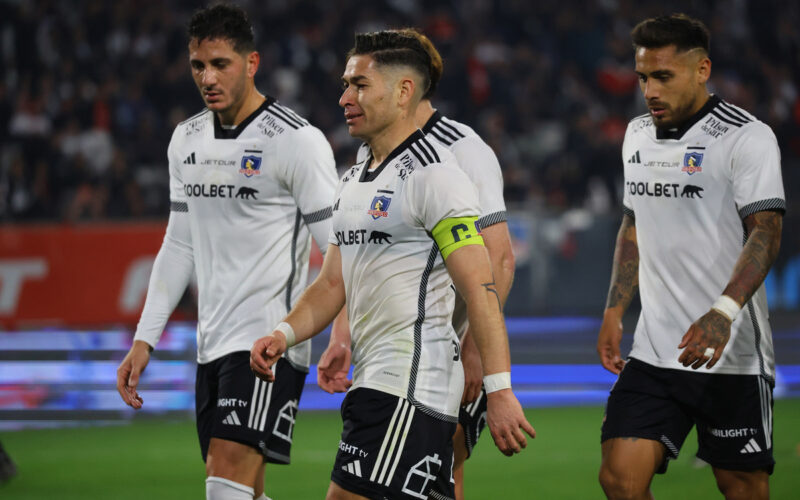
(490, 287)
(757, 256)
(625, 270)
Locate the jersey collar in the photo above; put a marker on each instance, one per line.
(678, 132)
(432, 121)
(233, 133)
(367, 176)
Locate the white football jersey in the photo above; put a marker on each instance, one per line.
(399, 294)
(479, 162)
(253, 195)
(689, 190)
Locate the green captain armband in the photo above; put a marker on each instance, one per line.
(452, 234)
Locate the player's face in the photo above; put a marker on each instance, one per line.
(220, 73)
(368, 98)
(673, 83)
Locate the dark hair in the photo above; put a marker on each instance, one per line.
(394, 48)
(680, 30)
(436, 66)
(224, 22)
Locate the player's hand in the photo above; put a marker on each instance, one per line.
(473, 371)
(333, 367)
(507, 421)
(266, 352)
(712, 330)
(129, 372)
(608, 341)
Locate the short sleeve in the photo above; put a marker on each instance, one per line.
(177, 195)
(479, 162)
(627, 204)
(440, 191)
(756, 171)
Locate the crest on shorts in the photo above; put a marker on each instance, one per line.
(692, 162)
(379, 207)
(251, 165)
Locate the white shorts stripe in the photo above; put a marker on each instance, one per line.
(402, 444)
(766, 410)
(259, 403)
(266, 407)
(385, 441)
(253, 403)
(393, 441)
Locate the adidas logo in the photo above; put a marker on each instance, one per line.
(190, 160)
(750, 447)
(232, 419)
(634, 159)
(353, 468)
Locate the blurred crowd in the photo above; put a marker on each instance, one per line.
(91, 90)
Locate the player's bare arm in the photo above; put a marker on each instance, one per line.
(470, 270)
(624, 286)
(713, 329)
(334, 363)
(315, 309)
(498, 243)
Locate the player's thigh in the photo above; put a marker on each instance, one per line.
(734, 422)
(631, 461)
(255, 413)
(390, 448)
(336, 492)
(205, 393)
(737, 484)
(642, 417)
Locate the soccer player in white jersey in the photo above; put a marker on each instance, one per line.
(480, 164)
(703, 211)
(250, 183)
(404, 224)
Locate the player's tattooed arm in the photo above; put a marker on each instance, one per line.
(492, 288)
(759, 253)
(625, 269)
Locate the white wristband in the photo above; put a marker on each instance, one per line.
(497, 382)
(287, 331)
(727, 307)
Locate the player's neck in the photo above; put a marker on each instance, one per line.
(424, 112)
(383, 143)
(235, 115)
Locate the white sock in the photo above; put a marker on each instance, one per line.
(218, 488)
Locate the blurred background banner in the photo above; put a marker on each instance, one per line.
(91, 91)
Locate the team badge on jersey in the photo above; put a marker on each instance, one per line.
(251, 165)
(379, 207)
(692, 162)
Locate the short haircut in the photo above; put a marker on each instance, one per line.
(437, 65)
(394, 48)
(223, 22)
(680, 30)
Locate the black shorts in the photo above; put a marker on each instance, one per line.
(473, 419)
(390, 449)
(232, 404)
(733, 414)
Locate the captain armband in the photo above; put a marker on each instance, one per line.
(454, 233)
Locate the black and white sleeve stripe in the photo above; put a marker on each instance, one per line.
(179, 206)
(319, 215)
(627, 211)
(760, 206)
(492, 219)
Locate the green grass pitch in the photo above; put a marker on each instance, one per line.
(160, 460)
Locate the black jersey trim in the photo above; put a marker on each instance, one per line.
(736, 111)
(233, 133)
(762, 205)
(318, 216)
(443, 124)
(421, 153)
(678, 132)
(435, 117)
(447, 142)
(730, 116)
(286, 115)
(412, 380)
(290, 281)
(492, 219)
(726, 119)
(754, 320)
(198, 115)
(426, 143)
(179, 206)
(369, 176)
(629, 212)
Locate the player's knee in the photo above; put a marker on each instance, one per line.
(218, 488)
(741, 485)
(621, 485)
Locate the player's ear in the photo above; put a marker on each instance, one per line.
(406, 88)
(253, 59)
(703, 69)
